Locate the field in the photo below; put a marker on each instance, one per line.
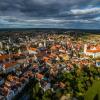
(93, 92)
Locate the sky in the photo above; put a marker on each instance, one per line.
(75, 14)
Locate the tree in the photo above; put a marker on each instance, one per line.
(47, 95)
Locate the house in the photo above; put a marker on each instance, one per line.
(40, 45)
(64, 56)
(32, 50)
(9, 67)
(7, 93)
(98, 63)
(39, 76)
(93, 51)
(2, 52)
(45, 59)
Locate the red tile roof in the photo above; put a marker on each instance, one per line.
(33, 49)
(45, 59)
(39, 76)
(10, 64)
(94, 49)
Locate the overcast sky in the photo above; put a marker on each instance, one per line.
(83, 14)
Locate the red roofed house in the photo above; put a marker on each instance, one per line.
(9, 67)
(32, 50)
(92, 51)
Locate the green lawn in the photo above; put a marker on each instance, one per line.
(93, 92)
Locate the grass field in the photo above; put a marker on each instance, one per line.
(93, 92)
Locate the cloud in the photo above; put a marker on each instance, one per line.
(94, 10)
(49, 13)
(14, 20)
(97, 19)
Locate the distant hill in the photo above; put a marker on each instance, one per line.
(49, 29)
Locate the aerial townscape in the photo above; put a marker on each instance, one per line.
(49, 65)
(49, 49)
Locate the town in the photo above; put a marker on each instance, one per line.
(60, 66)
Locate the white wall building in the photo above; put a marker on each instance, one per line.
(95, 51)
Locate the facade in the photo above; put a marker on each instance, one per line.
(94, 52)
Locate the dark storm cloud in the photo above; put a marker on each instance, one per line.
(49, 13)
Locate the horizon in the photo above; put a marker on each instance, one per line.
(51, 28)
(63, 30)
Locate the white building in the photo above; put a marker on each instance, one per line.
(95, 51)
(40, 45)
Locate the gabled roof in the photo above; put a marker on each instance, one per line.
(94, 49)
(52, 55)
(10, 64)
(54, 47)
(4, 56)
(33, 49)
(39, 76)
(45, 59)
